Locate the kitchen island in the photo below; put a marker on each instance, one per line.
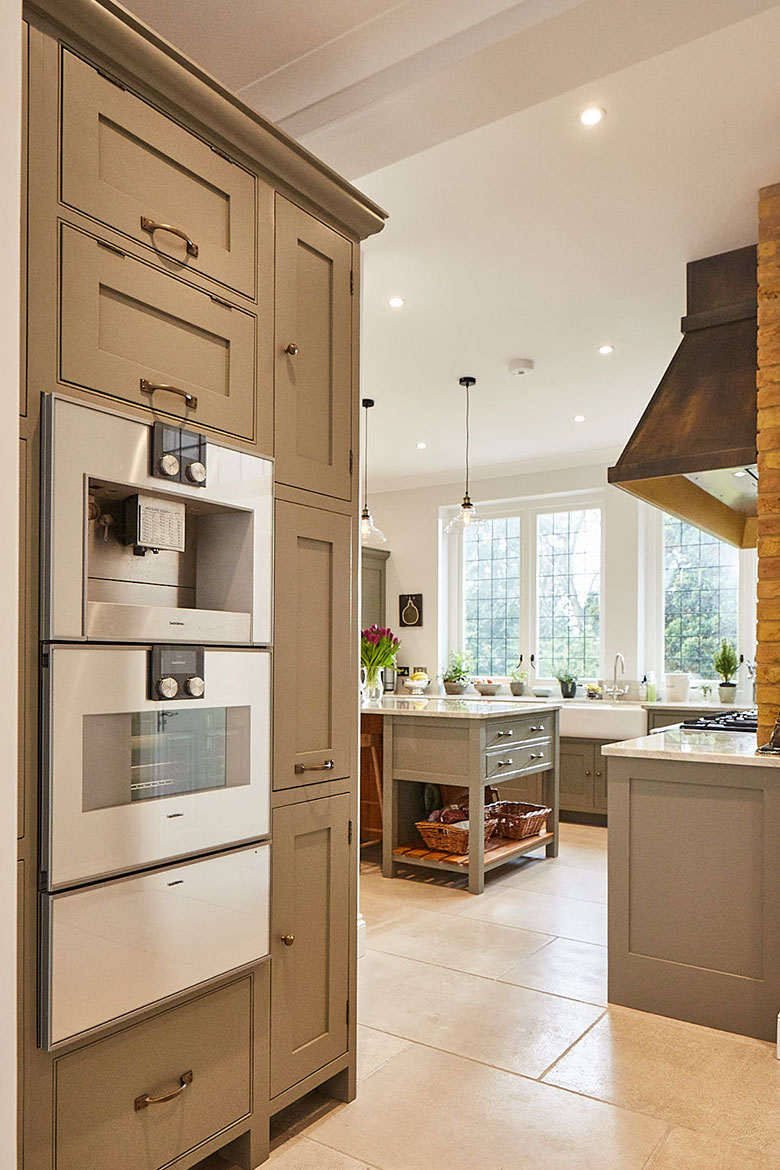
(465, 744)
(694, 874)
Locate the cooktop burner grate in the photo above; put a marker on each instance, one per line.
(729, 721)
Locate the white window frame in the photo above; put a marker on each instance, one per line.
(528, 510)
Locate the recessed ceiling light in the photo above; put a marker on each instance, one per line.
(606, 349)
(579, 418)
(421, 446)
(396, 302)
(592, 116)
(740, 474)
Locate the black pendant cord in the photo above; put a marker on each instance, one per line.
(468, 389)
(365, 464)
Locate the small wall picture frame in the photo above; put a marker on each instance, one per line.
(410, 609)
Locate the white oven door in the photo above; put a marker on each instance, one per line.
(121, 945)
(131, 782)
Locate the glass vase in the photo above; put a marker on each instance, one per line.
(373, 687)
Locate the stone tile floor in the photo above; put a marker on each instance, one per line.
(485, 1042)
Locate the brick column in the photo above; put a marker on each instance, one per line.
(768, 382)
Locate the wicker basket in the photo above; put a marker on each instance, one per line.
(517, 820)
(449, 838)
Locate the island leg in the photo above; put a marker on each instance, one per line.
(389, 803)
(552, 790)
(476, 813)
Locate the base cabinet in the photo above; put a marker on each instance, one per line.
(310, 918)
(583, 776)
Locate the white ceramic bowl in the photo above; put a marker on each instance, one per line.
(488, 688)
(417, 685)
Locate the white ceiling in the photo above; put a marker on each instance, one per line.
(514, 231)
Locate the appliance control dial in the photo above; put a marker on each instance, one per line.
(195, 686)
(169, 465)
(196, 472)
(167, 687)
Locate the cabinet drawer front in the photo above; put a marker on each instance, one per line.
(510, 761)
(122, 945)
(123, 321)
(98, 1125)
(506, 733)
(124, 161)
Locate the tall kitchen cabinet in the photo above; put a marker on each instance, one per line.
(188, 263)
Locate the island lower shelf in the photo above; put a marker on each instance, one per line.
(497, 851)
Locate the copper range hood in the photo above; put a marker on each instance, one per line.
(693, 452)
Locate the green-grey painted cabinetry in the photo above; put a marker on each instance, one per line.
(373, 587)
(583, 786)
(187, 262)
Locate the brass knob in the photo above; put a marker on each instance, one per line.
(288, 939)
(292, 349)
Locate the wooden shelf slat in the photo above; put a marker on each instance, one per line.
(498, 850)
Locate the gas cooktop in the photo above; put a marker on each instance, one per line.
(729, 721)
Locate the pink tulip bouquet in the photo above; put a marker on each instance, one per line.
(378, 648)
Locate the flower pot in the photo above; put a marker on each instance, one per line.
(517, 688)
(727, 692)
(568, 690)
(454, 688)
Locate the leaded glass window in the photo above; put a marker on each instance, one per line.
(491, 592)
(701, 597)
(568, 592)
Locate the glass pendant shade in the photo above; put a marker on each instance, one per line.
(466, 517)
(369, 530)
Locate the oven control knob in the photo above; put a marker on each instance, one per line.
(195, 686)
(196, 472)
(169, 465)
(167, 687)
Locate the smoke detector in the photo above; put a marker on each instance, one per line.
(521, 366)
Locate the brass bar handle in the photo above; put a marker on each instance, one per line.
(301, 768)
(508, 734)
(292, 349)
(537, 755)
(152, 226)
(504, 763)
(536, 728)
(148, 387)
(142, 1102)
(288, 939)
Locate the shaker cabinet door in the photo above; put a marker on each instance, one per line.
(313, 354)
(314, 691)
(127, 165)
(310, 917)
(577, 790)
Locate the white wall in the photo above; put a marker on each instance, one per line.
(10, 134)
(410, 520)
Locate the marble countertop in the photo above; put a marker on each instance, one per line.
(698, 705)
(453, 708)
(707, 747)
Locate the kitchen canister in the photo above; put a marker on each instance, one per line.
(677, 687)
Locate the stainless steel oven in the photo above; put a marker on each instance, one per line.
(150, 754)
(150, 532)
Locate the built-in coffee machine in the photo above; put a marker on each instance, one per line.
(157, 559)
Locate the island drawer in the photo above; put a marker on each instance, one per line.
(513, 759)
(506, 732)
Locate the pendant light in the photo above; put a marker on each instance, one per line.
(466, 517)
(368, 529)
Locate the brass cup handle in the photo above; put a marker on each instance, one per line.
(326, 767)
(292, 349)
(148, 387)
(152, 226)
(184, 1080)
(288, 939)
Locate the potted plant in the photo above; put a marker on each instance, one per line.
(456, 676)
(568, 682)
(378, 648)
(725, 663)
(517, 680)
